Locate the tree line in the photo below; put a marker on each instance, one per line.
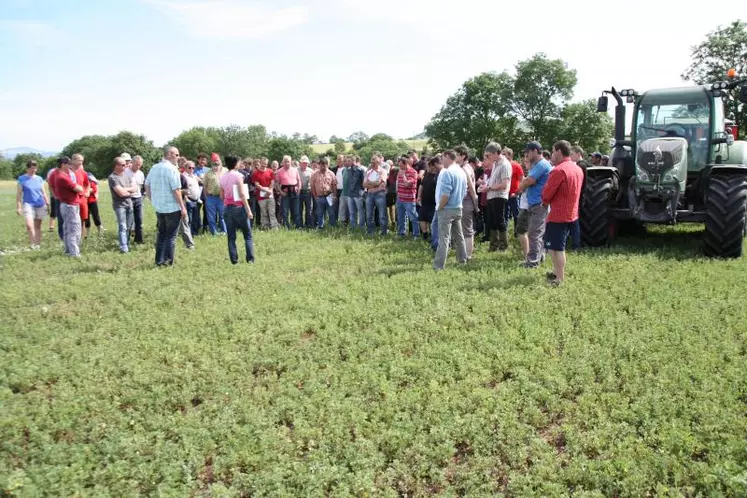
(532, 103)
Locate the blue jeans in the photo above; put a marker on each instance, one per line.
(377, 199)
(306, 203)
(124, 215)
(168, 229)
(356, 214)
(292, 201)
(236, 220)
(434, 232)
(193, 215)
(215, 208)
(407, 209)
(137, 219)
(321, 206)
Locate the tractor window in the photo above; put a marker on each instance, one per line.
(689, 121)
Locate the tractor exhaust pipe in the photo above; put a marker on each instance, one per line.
(619, 117)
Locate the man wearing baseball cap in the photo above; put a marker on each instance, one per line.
(532, 186)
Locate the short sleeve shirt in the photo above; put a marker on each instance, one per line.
(123, 181)
(227, 183)
(32, 190)
(540, 172)
(501, 171)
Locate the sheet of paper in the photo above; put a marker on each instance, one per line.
(237, 194)
(330, 200)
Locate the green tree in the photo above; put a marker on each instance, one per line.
(196, 140)
(339, 146)
(384, 144)
(6, 168)
(47, 164)
(100, 162)
(250, 141)
(86, 145)
(581, 124)
(476, 114)
(281, 145)
(19, 163)
(309, 139)
(358, 138)
(722, 49)
(506, 108)
(541, 89)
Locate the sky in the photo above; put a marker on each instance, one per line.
(324, 67)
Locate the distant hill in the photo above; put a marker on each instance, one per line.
(12, 153)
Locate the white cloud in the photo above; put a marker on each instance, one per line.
(36, 33)
(230, 19)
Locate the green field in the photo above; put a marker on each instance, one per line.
(322, 148)
(344, 366)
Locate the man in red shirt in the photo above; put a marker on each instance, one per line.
(81, 178)
(517, 175)
(70, 194)
(561, 193)
(263, 179)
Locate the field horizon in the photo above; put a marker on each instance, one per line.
(343, 365)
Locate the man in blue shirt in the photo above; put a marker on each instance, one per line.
(163, 187)
(532, 187)
(451, 187)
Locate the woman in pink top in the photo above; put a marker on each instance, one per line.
(238, 214)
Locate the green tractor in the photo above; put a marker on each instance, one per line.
(681, 163)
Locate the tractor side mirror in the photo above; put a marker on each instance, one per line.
(602, 103)
(743, 94)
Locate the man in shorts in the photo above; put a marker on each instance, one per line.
(561, 194)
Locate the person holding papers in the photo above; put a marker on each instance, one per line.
(238, 214)
(324, 190)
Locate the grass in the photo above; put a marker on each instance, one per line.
(322, 148)
(339, 365)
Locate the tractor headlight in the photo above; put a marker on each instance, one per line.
(643, 176)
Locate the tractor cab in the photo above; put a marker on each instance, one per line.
(677, 113)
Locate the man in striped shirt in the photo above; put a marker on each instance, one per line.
(407, 192)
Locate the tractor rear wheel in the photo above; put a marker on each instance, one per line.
(595, 212)
(726, 216)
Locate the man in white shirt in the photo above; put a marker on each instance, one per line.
(497, 190)
(135, 173)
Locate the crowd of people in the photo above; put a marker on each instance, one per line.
(446, 200)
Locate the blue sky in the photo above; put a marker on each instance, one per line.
(323, 67)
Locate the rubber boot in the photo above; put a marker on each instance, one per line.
(502, 241)
(493, 240)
